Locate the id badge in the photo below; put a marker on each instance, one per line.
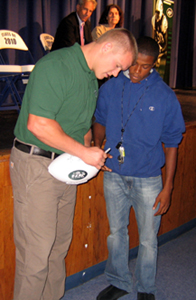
(121, 155)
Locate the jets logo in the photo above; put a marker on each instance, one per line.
(170, 12)
(77, 174)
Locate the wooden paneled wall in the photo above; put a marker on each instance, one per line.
(7, 250)
(91, 228)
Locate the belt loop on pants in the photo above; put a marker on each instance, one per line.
(34, 150)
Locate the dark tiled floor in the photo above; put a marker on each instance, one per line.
(187, 99)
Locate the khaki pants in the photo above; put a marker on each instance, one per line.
(43, 219)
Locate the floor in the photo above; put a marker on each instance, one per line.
(175, 278)
(187, 99)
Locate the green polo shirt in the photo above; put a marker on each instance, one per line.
(63, 88)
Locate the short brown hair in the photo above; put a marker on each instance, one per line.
(123, 38)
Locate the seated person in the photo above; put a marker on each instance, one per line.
(68, 31)
(112, 17)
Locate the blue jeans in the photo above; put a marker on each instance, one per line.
(121, 193)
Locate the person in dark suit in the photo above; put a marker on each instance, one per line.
(68, 31)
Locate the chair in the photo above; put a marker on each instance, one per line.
(13, 76)
(46, 41)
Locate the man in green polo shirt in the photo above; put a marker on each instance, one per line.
(55, 117)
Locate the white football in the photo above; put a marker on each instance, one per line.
(71, 169)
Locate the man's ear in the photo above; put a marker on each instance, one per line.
(107, 47)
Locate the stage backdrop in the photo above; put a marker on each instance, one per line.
(30, 18)
(162, 21)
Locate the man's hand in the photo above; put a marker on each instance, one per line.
(164, 199)
(50, 132)
(94, 156)
(164, 196)
(104, 168)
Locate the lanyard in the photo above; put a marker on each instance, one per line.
(123, 126)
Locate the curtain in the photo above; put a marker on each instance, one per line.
(194, 51)
(186, 58)
(30, 18)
